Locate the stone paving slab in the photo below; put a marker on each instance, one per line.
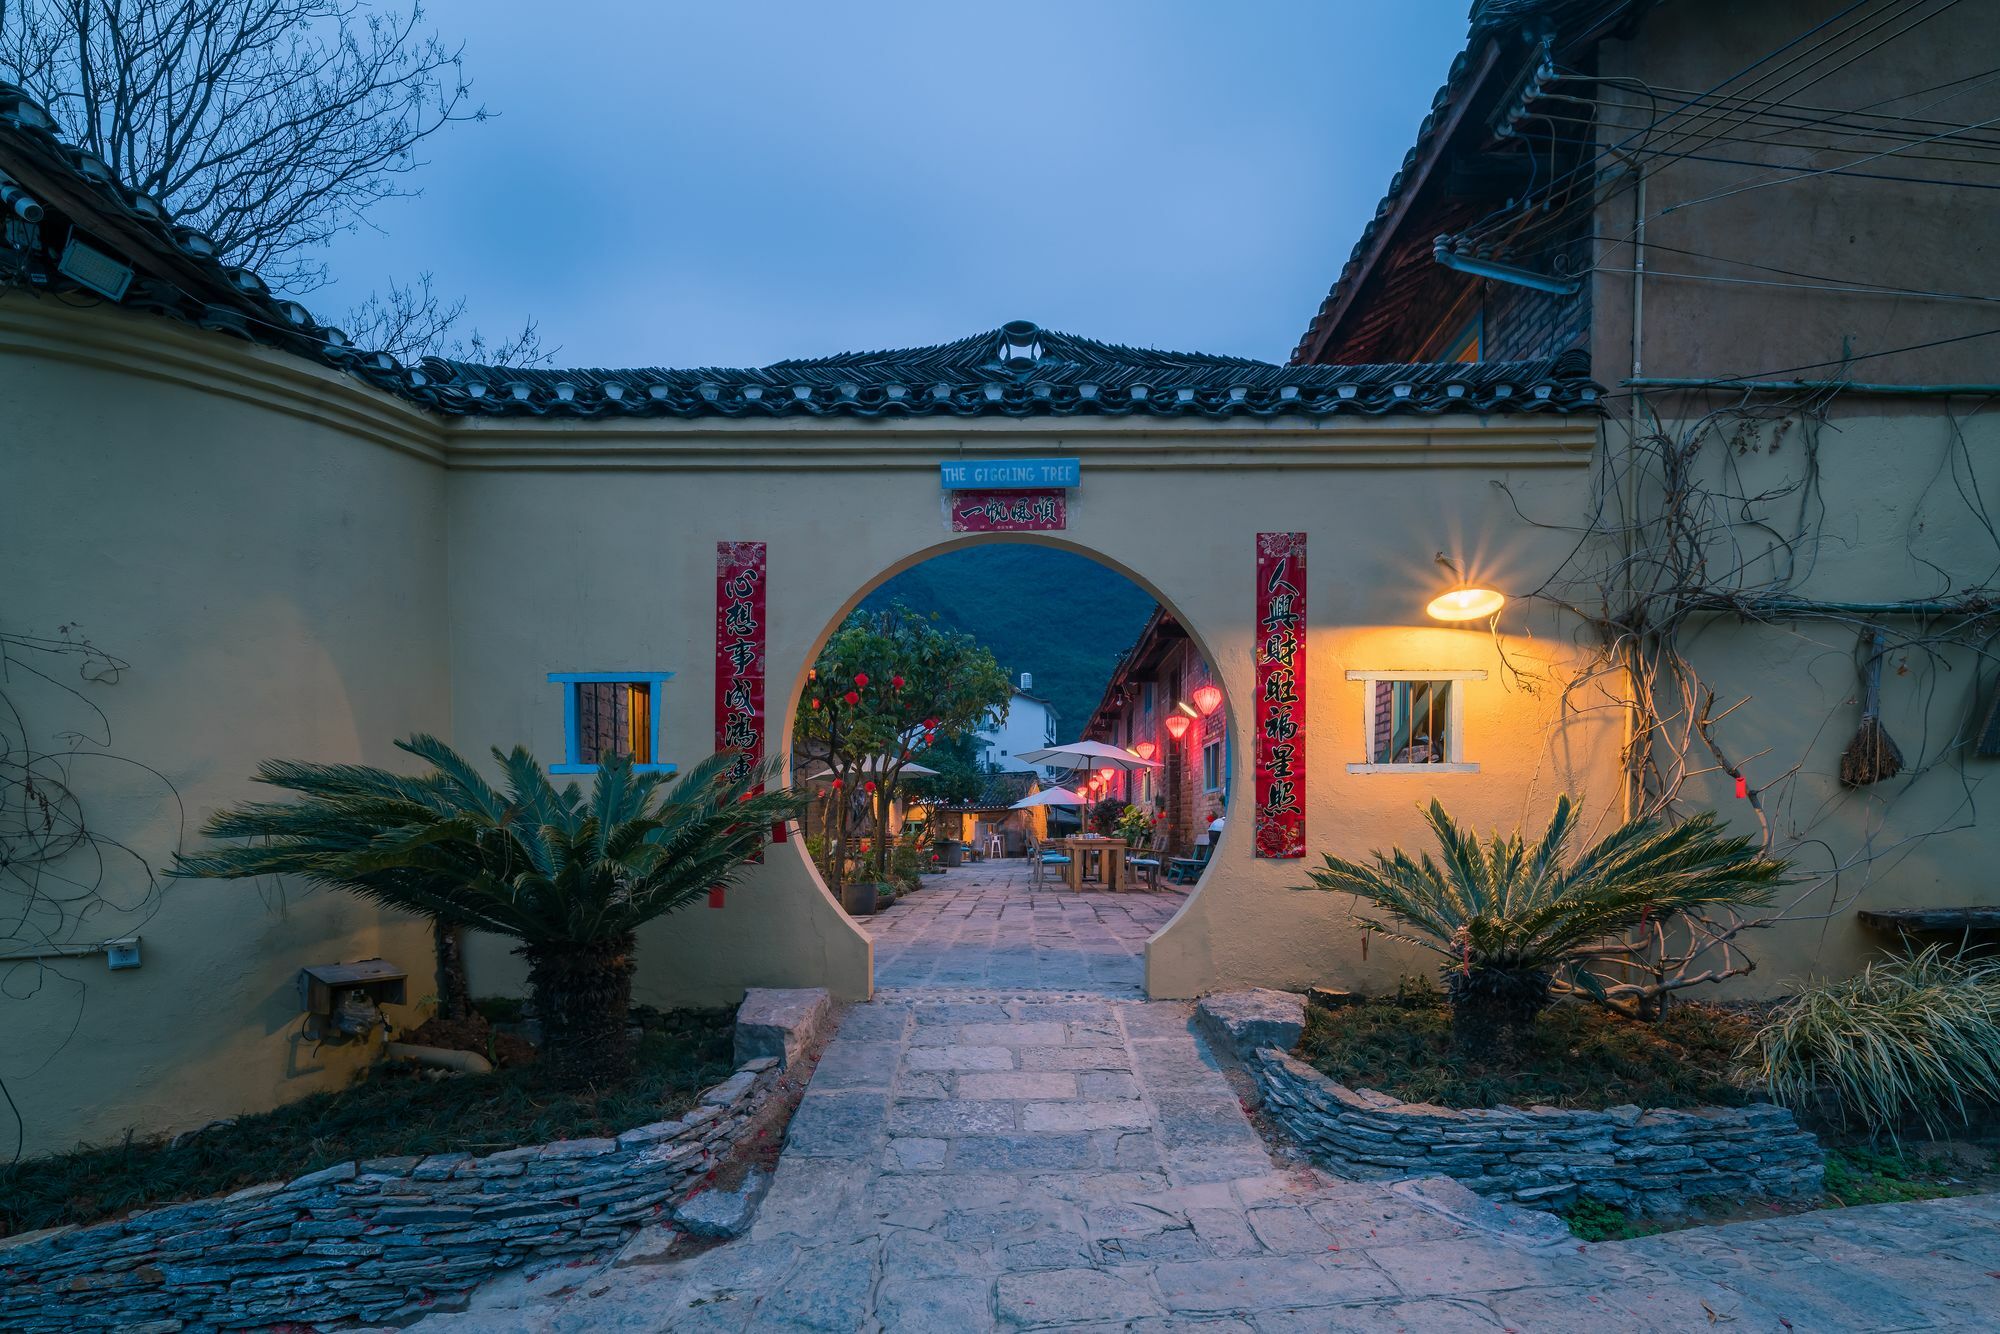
(990, 1159)
(986, 927)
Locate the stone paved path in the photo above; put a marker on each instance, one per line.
(985, 927)
(968, 1161)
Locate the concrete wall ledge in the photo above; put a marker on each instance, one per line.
(1652, 1162)
(374, 1240)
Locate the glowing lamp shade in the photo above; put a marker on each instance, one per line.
(1107, 774)
(1208, 699)
(1145, 750)
(1466, 604)
(1177, 725)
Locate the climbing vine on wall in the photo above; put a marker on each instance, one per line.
(65, 883)
(1710, 517)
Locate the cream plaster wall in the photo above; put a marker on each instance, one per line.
(295, 565)
(273, 573)
(843, 505)
(1895, 509)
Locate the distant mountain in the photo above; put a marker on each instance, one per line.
(1060, 616)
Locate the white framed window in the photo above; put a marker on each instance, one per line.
(1212, 766)
(1413, 722)
(611, 713)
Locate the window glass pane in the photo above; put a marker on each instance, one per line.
(1412, 722)
(614, 718)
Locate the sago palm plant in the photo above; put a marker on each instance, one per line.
(570, 876)
(1512, 920)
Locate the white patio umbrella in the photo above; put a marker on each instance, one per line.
(1051, 796)
(1087, 755)
(881, 764)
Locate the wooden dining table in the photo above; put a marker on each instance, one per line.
(1111, 869)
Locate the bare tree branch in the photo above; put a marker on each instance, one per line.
(274, 126)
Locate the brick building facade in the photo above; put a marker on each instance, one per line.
(1159, 676)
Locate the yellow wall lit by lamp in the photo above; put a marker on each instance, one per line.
(1466, 604)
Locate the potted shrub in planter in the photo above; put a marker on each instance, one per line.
(859, 897)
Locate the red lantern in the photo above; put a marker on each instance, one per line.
(852, 698)
(1177, 725)
(1106, 774)
(815, 703)
(1208, 699)
(931, 724)
(869, 786)
(895, 683)
(1145, 750)
(861, 679)
(836, 782)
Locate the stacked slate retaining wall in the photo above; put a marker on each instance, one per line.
(374, 1240)
(1656, 1162)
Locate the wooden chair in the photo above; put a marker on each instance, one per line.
(1148, 860)
(1044, 859)
(1187, 870)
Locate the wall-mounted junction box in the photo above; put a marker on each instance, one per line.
(343, 1001)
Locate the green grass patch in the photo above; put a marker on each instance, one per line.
(1855, 1175)
(1575, 1056)
(393, 1110)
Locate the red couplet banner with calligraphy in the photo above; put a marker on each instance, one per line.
(739, 661)
(1280, 712)
(1007, 511)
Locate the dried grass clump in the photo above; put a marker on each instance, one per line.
(1915, 1038)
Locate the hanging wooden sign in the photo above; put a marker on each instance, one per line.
(739, 662)
(1280, 707)
(1007, 511)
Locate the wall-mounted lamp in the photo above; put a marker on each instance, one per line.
(1208, 699)
(1145, 750)
(1177, 725)
(1187, 709)
(1466, 604)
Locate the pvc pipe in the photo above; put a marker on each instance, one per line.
(440, 1058)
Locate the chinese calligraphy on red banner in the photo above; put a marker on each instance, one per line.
(739, 661)
(1280, 713)
(1007, 511)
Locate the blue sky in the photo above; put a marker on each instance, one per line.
(731, 184)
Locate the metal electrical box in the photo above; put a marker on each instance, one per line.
(344, 999)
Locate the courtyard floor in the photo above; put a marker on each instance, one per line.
(986, 926)
(1007, 1137)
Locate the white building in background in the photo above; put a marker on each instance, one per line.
(1030, 725)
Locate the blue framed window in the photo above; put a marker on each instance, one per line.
(611, 713)
(1214, 766)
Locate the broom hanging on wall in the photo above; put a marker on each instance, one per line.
(1872, 755)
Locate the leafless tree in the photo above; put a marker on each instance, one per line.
(271, 125)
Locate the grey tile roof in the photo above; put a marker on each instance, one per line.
(1019, 370)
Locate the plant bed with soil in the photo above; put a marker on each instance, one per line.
(1575, 1056)
(392, 1111)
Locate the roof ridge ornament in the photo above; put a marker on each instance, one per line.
(1021, 348)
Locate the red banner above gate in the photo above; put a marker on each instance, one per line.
(1007, 511)
(1280, 710)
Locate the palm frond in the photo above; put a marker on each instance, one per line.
(526, 860)
(1504, 905)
